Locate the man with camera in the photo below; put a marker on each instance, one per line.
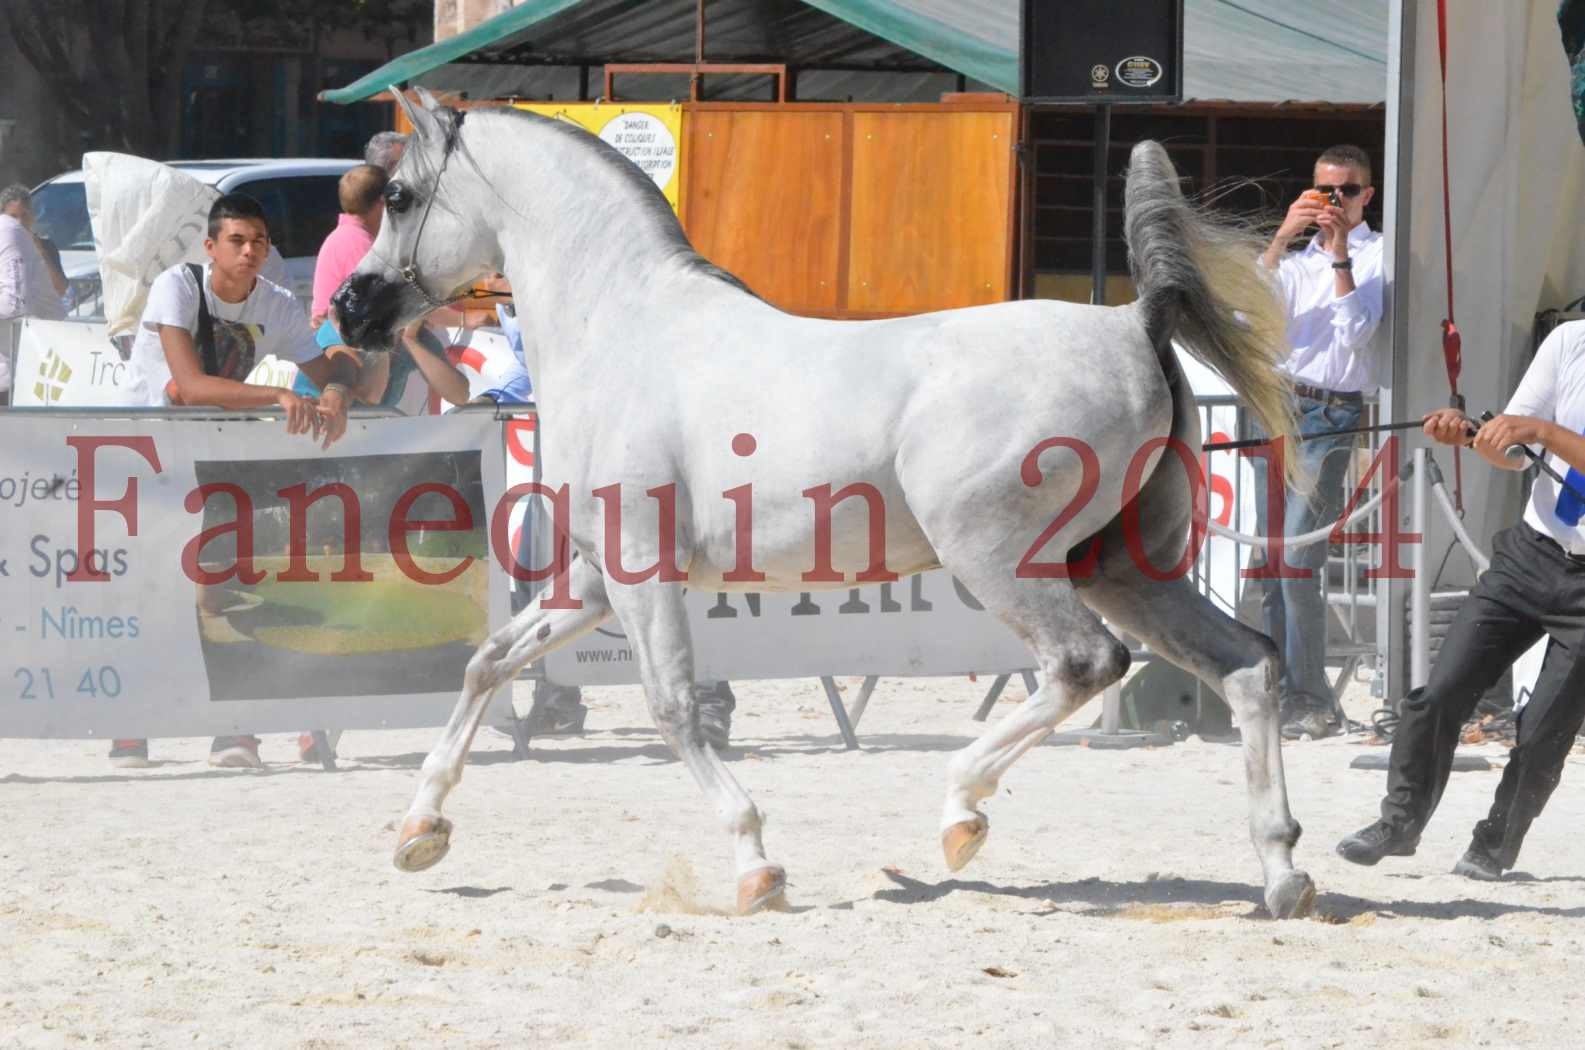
(1332, 288)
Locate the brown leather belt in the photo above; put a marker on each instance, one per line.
(1332, 397)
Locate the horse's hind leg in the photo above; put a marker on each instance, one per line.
(657, 628)
(426, 835)
(1078, 656)
(1182, 625)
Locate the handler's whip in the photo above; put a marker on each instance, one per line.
(1511, 451)
(1222, 446)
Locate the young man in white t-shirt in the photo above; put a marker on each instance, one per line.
(1535, 586)
(249, 317)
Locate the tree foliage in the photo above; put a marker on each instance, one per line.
(113, 66)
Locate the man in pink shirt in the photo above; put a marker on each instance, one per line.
(361, 192)
(362, 207)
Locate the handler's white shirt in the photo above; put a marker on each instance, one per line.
(270, 319)
(1332, 339)
(1553, 388)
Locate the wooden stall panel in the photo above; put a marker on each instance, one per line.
(761, 196)
(930, 222)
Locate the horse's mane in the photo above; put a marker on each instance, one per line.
(648, 196)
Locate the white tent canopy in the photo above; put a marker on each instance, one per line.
(1517, 169)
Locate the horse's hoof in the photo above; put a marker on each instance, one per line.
(1291, 897)
(762, 890)
(424, 842)
(963, 840)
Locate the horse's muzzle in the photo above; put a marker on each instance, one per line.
(365, 308)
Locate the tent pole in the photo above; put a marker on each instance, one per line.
(1392, 669)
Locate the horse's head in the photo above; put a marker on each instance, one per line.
(428, 249)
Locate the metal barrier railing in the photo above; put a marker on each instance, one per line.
(1344, 583)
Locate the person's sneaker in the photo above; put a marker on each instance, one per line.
(556, 711)
(1313, 724)
(1381, 839)
(1476, 863)
(129, 754)
(235, 752)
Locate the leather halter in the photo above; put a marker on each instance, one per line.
(409, 272)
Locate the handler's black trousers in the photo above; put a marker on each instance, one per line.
(1532, 588)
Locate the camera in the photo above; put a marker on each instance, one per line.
(1335, 198)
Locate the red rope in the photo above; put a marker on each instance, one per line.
(1452, 342)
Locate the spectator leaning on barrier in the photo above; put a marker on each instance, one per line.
(1534, 588)
(361, 193)
(199, 338)
(1332, 288)
(28, 287)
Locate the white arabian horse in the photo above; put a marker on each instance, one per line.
(968, 433)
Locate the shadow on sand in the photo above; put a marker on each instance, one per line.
(1101, 898)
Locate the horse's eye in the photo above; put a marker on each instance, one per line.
(397, 197)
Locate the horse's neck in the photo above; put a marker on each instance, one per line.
(585, 250)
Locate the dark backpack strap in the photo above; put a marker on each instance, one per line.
(205, 339)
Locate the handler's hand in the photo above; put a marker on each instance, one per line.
(332, 409)
(1448, 426)
(301, 417)
(1496, 436)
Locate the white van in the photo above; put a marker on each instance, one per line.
(298, 195)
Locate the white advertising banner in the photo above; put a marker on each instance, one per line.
(924, 625)
(66, 363)
(247, 580)
(72, 363)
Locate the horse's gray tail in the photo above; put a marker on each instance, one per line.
(1199, 280)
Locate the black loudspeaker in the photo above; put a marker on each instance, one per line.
(1094, 51)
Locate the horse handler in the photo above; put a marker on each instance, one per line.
(1535, 586)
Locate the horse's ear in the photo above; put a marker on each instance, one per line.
(426, 99)
(423, 121)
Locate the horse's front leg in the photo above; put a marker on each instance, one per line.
(657, 628)
(532, 633)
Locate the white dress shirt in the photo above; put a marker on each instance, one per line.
(1553, 388)
(1331, 338)
(25, 286)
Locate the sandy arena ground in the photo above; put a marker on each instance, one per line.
(1116, 903)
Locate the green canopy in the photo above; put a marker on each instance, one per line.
(1243, 50)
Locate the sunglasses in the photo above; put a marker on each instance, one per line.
(1347, 189)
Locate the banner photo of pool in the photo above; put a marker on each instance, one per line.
(169, 577)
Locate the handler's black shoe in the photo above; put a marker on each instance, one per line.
(1381, 839)
(1476, 863)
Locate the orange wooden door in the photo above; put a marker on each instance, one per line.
(760, 198)
(932, 194)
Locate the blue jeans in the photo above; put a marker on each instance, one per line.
(1295, 609)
